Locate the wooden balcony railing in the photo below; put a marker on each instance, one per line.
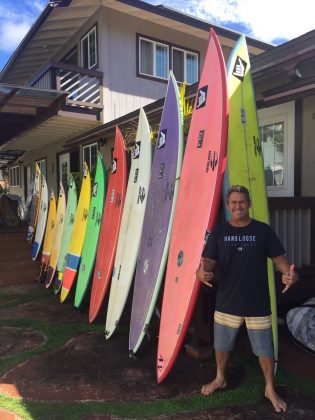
(84, 86)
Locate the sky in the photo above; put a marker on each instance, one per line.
(272, 21)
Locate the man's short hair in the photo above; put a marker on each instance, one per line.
(240, 189)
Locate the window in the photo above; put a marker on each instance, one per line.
(89, 49)
(42, 166)
(90, 157)
(277, 140)
(156, 58)
(15, 177)
(153, 58)
(272, 139)
(185, 66)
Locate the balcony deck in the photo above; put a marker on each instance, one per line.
(84, 87)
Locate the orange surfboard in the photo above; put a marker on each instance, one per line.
(197, 205)
(111, 219)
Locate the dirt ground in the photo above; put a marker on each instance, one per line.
(87, 367)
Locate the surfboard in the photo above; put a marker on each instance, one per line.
(158, 216)
(245, 165)
(42, 219)
(301, 325)
(35, 203)
(48, 235)
(78, 235)
(56, 238)
(131, 224)
(114, 203)
(72, 201)
(92, 231)
(196, 207)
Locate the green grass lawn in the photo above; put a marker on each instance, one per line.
(249, 392)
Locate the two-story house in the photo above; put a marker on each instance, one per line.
(89, 62)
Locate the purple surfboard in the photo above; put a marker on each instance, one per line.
(158, 216)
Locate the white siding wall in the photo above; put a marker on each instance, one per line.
(124, 91)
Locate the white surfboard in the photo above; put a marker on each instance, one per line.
(35, 204)
(42, 219)
(131, 225)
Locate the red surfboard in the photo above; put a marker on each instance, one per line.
(114, 203)
(197, 205)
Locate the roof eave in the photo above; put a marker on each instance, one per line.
(36, 25)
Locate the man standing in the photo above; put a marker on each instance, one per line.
(239, 248)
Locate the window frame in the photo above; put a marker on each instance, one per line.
(86, 36)
(185, 51)
(170, 47)
(282, 113)
(89, 146)
(155, 42)
(15, 174)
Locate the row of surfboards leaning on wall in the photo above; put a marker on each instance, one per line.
(148, 228)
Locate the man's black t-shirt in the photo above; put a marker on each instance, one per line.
(241, 254)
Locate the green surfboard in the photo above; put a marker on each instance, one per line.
(245, 164)
(92, 232)
(66, 233)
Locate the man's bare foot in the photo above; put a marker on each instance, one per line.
(278, 404)
(209, 389)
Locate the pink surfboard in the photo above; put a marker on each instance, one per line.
(114, 204)
(197, 205)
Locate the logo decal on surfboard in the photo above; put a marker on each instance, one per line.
(202, 97)
(257, 145)
(200, 138)
(213, 160)
(146, 266)
(98, 218)
(180, 258)
(161, 361)
(161, 172)
(95, 189)
(136, 150)
(135, 179)
(239, 68)
(162, 139)
(85, 214)
(141, 195)
(114, 166)
(93, 212)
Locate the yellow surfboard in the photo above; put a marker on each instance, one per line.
(56, 238)
(78, 235)
(245, 164)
